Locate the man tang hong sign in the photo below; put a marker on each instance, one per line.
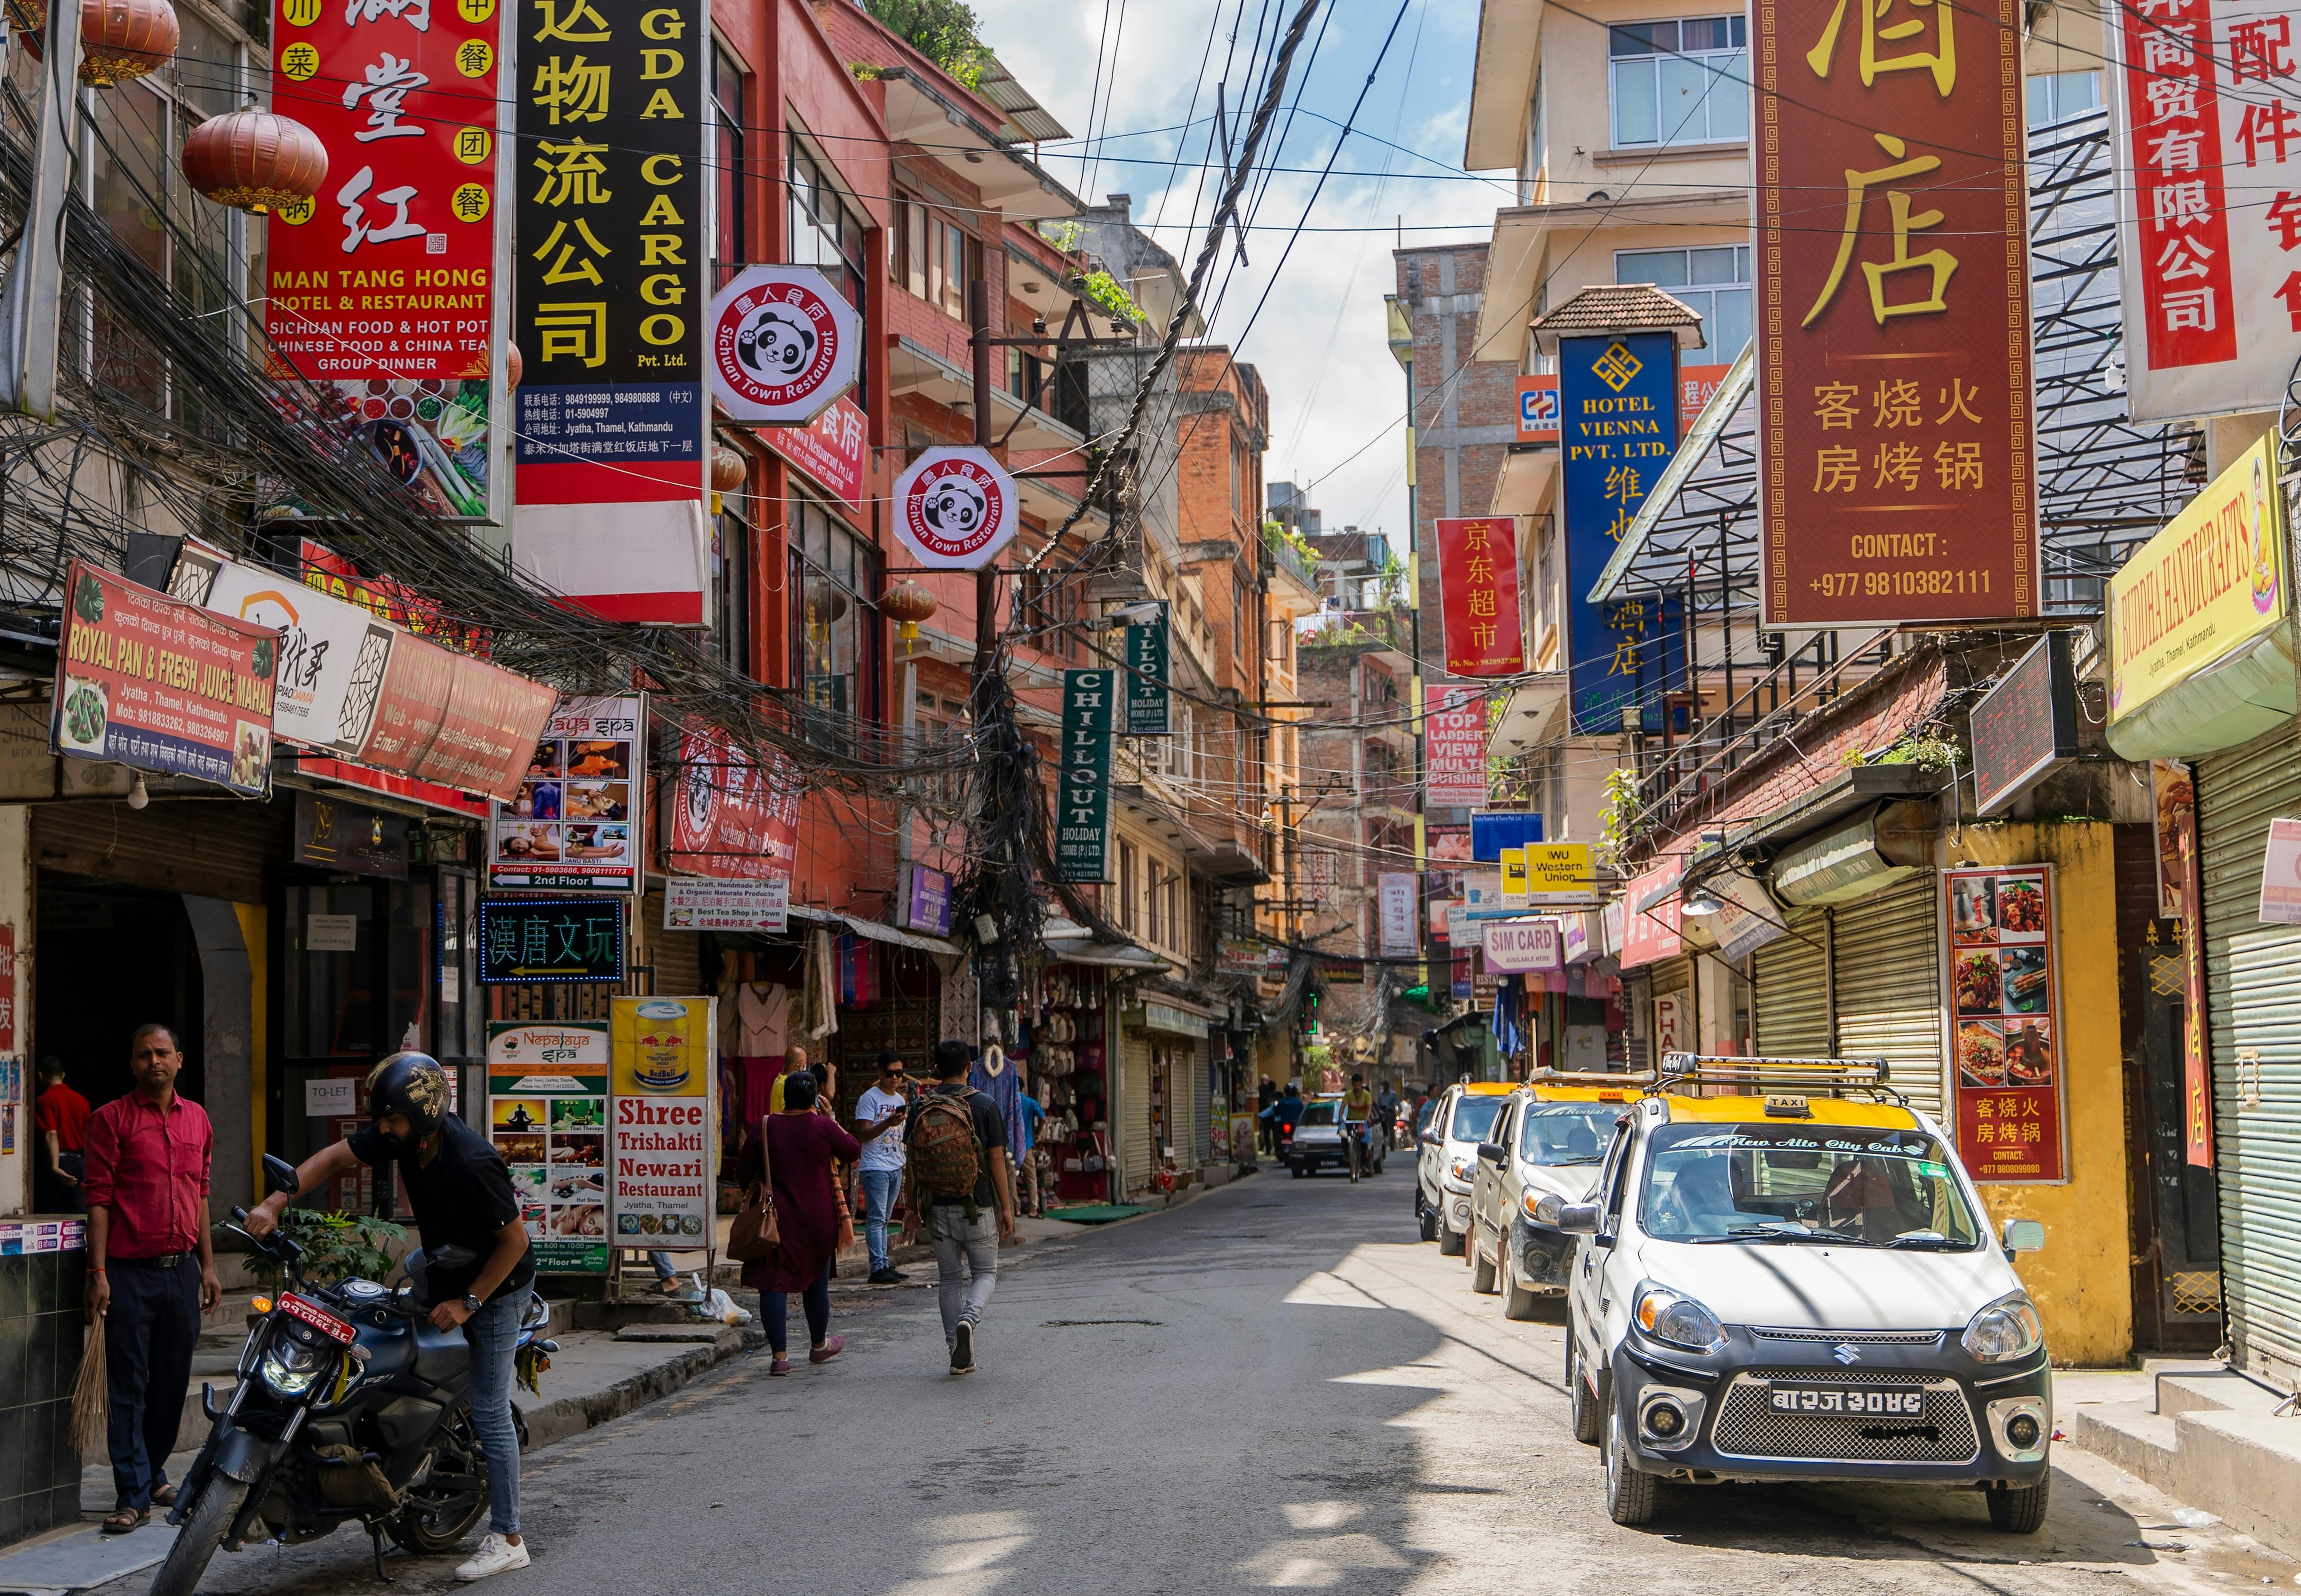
(1894, 352)
(1083, 791)
(2208, 147)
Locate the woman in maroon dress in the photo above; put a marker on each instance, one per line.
(801, 1144)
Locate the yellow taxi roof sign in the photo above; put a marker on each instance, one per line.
(1820, 1111)
(1489, 1089)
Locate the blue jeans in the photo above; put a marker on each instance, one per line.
(814, 1303)
(493, 1332)
(149, 1334)
(879, 1189)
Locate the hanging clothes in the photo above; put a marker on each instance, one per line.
(821, 985)
(1002, 1083)
(762, 1020)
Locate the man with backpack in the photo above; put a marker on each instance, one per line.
(954, 1144)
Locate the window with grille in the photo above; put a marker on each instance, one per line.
(1680, 82)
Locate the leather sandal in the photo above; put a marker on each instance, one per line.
(125, 1521)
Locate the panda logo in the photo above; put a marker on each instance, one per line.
(955, 507)
(777, 344)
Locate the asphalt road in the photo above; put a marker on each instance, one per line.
(1275, 1386)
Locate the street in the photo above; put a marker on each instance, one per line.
(1274, 1386)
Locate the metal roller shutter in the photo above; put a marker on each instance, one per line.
(209, 848)
(2253, 988)
(1138, 1161)
(1202, 1097)
(1889, 985)
(1790, 983)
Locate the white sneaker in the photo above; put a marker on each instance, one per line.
(495, 1556)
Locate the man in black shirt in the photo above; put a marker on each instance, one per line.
(462, 1193)
(960, 1227)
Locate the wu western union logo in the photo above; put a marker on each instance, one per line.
(1616, 366)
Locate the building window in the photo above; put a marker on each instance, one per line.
(1713, 283)
(1684, 82)
(834, 580)
(2059, 95)
(1150, 874)
(1175, 938)
(907, 245)
(954, 260)
(1126, 886)
(1529, 174)
(825, 231)
(730, 579)
(729, 232)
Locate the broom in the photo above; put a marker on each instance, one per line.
(91, 1400)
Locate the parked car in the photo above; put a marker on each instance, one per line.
(1798, 1283)
(1319, 1141)
(1549, 1142)
(1443, 1164)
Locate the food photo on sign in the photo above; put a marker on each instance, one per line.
(2004, 1024)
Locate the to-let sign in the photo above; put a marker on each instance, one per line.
(1896, 479)
(955, 509)
(783, 344)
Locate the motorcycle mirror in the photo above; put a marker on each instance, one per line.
(279, 1174)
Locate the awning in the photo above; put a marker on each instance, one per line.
(877, 930)
(918, 112)
(1885, 846)
(1112, 956)
(1180, 1019)
(2230, 702)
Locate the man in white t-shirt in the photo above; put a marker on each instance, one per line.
(879, 1115)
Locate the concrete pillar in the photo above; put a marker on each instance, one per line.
(227, 1042)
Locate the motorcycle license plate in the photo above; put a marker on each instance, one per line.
(1849, 1401)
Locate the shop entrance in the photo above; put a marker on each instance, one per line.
(110, 959)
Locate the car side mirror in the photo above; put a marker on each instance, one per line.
(279, 1174)
(1493, 1153)
(1580, 1219)
(2024, 1235)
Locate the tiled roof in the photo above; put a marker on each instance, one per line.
(1618, 307)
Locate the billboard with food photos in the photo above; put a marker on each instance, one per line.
(2004, 1024)
(548, 1118)
(574, 822)
(665, 1066)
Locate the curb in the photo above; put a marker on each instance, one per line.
(572, 1416)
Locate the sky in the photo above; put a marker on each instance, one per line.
(1319, 340)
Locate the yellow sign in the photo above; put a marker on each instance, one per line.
(663, 1067)
(2211, 582)
(1513, 864)
(1557, 873)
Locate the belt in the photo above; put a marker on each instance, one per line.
(158, 1260)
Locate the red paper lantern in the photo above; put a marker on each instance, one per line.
(28, 19)
(728, 469)
(907, 604)
(124, 38)
(253, 160)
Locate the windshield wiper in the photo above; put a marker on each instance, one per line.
(1572, 1163)
(1782, 1232)
(1929, 1238)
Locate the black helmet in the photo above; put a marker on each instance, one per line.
(412, 1084)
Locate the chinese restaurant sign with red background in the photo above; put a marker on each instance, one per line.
(1893, 353)
(2209, 160)
(725, 815)
(385, 286)
(1477, 591)
(2006, 1024)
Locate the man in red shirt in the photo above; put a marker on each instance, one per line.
(151, 1264)
(61, 1118)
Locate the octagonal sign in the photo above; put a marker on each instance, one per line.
(783, 345)
(955, 509)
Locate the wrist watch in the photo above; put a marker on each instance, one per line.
(470, 1303)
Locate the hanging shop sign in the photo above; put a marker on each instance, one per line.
(2204, 106)
(1537, 409)
(2210, 584)
(2175, 832)
(149, 681)
(2025, 725)
(1513, 947)
(1619, 400)
(455, 719)
(391, 288)
(925, 902)
(1454, 746)
(524, 941)
(1870, 852)
(1696, 387)
(831, 449)
(729, 817)
(782, 345)
(2181, 899)
(1650, 916)
(955, 509)
(1893, 381)
(1557, 873)
(1513, 874)
(547, 1118)
(2280, 874)
(1083, 820)
(2004, 1022)
(1493, 831)
(762, 906)
(1579, 938)
(574, 824)
(1397, 893)
(665, 1152)
(1147, 663)
(614, 191)
(1482, 895)
(1747, 920)
(333, 835)
(1478, 596)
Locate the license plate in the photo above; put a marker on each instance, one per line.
(1852, 1402)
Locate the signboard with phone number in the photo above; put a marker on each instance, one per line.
(548, 1118)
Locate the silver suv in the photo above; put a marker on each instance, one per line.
(1549, 1142)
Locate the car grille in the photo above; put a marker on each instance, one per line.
(1747, 1426)
(1902, 1337)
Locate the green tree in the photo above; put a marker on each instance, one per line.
(947, 32)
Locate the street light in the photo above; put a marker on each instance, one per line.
(1701, 902)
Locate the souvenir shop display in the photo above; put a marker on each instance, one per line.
(1068, 1068)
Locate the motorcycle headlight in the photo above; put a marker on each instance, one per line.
(288, 1366)
(2005, 1330)
(1678, 1319)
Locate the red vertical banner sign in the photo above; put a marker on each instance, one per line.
(1894, 352)
(2179, 900)
(2006, 1024)
(1478, 596)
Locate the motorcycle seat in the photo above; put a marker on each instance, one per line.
(442, 1356)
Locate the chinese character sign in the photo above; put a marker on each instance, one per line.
(1478, 596)
(1893, 397)
(2006, 1024)
(2208, 144)
(384, 286)
(611, 251)
(528, 940)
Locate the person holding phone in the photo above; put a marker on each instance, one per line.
(882, 1109)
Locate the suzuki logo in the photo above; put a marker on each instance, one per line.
(1845, 1354)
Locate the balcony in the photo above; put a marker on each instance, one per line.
(1288, 559)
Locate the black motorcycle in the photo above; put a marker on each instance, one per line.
(351, 1407)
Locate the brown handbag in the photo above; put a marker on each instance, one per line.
(754, 1234)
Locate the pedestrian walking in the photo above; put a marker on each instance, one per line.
(793, 1156)
(961, 1177)
(151, 1266)
(1029, 1198)
(1266, 1094)
(61, 1118)
(461, 1193)
(879, 1115)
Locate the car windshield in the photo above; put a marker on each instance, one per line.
(1557, 1134)
(1320, 1114)
(1780, 1182)
(1474, 1118)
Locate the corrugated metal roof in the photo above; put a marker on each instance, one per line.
(1027, 120)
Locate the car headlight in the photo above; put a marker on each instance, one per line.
(1678, 1319)
(2005, 1330)
(1463, 1168)
(288, 1367)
